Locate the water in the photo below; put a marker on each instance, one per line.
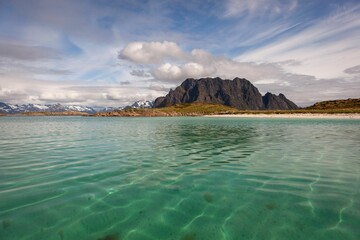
(179, 178)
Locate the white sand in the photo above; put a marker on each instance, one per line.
(295, 115)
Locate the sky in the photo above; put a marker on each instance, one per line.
(115, 52)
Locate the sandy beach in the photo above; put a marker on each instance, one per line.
(295, 115)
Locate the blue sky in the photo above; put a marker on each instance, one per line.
(112, 53)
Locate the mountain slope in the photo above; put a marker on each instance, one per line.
(351, 103)
(238, 93)
(273, 102)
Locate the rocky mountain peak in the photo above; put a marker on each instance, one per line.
(239, 93)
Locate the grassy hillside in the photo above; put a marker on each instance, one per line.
(194, 109)
(351, 103)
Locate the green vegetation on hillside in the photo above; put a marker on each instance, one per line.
(200, 108)
(351, 103)
(194, 109)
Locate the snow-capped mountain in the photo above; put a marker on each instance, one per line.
(22, 108)
(11, 109)
(137, 104)
(142, 104)
(4, 108)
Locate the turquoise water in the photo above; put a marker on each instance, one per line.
(179, 178)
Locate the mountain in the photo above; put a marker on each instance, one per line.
(135, 105)
(107, 109)
(58, 108)
(4, 108)
(24, 108)
(238, 93)
(273, 102)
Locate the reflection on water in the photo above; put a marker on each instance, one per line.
(206, 145)
(179, 178)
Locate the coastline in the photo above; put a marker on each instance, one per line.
(291, 115)
(237, 115)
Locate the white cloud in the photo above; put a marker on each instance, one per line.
(200, 63)
(175, 73)
(151, 52)
(168, 71)
(202, 56)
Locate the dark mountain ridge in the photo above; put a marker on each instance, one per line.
(238, 93)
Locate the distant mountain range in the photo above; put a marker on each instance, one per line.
(238, 93)
(23, 108)
(58, 108)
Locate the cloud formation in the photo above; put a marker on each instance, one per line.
(200, 63)
(323, 49)
(151, 52)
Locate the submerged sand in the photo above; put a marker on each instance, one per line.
(294, 115)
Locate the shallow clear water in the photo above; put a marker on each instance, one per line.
(179, 178)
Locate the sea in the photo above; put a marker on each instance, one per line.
(183, 178)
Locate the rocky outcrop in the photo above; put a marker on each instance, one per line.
(273, 102)
(238, 93)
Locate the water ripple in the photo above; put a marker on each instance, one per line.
(179, 178)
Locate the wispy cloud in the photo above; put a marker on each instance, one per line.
(259, 7)
(29, 53)
(325, 48)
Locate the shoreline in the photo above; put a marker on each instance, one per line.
(291, 115)
(221, 115)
